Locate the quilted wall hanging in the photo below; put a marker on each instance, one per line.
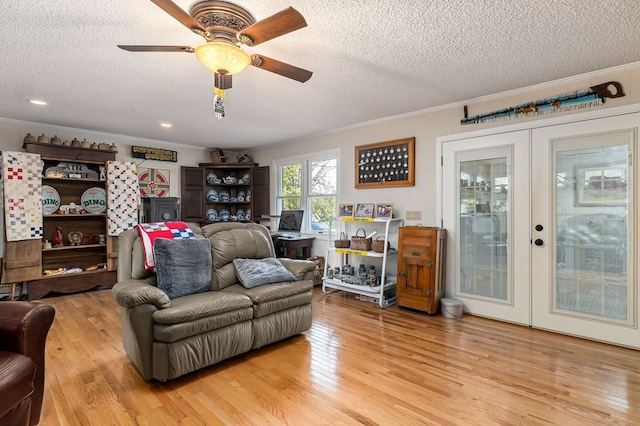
(21, 182)
(123, 197)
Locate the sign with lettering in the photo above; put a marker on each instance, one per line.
(154, 153)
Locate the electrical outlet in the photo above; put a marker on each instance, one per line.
(413, 214)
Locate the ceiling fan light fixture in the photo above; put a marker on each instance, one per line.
(222, 57)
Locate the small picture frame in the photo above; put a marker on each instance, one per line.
(365, 210)
(345, 210)
(384, 210)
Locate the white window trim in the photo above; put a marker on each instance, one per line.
(305, 160)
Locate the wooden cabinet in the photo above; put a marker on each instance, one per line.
(421, 256)
(217, 192)
(76, 175)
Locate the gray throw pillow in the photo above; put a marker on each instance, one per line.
(255, 272)
(183, 266)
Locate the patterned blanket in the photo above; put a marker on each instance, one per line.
(150, 231)
(122, 197)
(21, 182)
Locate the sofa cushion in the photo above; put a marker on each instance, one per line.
(16, 380)
(200, 313)
(256, 272)
(183, 266)
(235, 240)
(201, 305)
(276, 297)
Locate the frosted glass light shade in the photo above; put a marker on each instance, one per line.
(223, 58)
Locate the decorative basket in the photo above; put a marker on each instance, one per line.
(361, 242)
(319, 271)
(379, 245)
(342, 242)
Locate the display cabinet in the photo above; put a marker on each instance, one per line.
(224, 192)
(353, 273)
(76, 253)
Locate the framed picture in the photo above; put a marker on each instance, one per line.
(604, 185)
(384, 210)
(365, 210)
(382, 164)
(345, 210)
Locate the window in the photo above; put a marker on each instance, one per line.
(309, 184)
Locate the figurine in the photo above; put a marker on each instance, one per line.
(103, 173)
(56, 241)
(91, 239)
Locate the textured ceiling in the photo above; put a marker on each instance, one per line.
(370, 60)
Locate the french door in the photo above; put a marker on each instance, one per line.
(584, 231)
(543, 227)
(486, 213)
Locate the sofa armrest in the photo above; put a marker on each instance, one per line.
(302, 269)
(23, 329)
(131, 293)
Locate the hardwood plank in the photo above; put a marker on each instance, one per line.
(357, 365)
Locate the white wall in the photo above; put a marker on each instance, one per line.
(426, 126)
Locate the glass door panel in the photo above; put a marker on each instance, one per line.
(483, 224)
(592, 230)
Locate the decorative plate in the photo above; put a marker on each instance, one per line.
(50, 200)
(211, 215)
(240, 214)
(246, 179)
(94, 200)
(247, 214)
(224, 214)
(212, 195)
(224, 196)
(212, 178)
(241, 196)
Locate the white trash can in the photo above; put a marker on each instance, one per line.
(451, 308)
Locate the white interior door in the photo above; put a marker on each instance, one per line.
(486, 211)
(584, 229)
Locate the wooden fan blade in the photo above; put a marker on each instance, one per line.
(143, 48)
(274, 26)
(181, 16)
(222, 81)
(281, 68)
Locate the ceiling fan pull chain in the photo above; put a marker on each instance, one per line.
(218, 106)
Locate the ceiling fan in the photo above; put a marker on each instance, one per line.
(226, 26)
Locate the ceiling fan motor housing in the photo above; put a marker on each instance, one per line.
(222, 19)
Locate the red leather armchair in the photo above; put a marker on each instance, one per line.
(23, 334)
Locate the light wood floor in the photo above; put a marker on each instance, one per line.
(358, 364)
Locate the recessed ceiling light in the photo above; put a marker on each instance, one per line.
(166, 125)
(37, 102)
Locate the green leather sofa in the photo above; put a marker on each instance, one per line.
(167, 338)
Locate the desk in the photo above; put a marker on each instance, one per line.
(290, 246)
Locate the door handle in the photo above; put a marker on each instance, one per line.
(538, 242)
